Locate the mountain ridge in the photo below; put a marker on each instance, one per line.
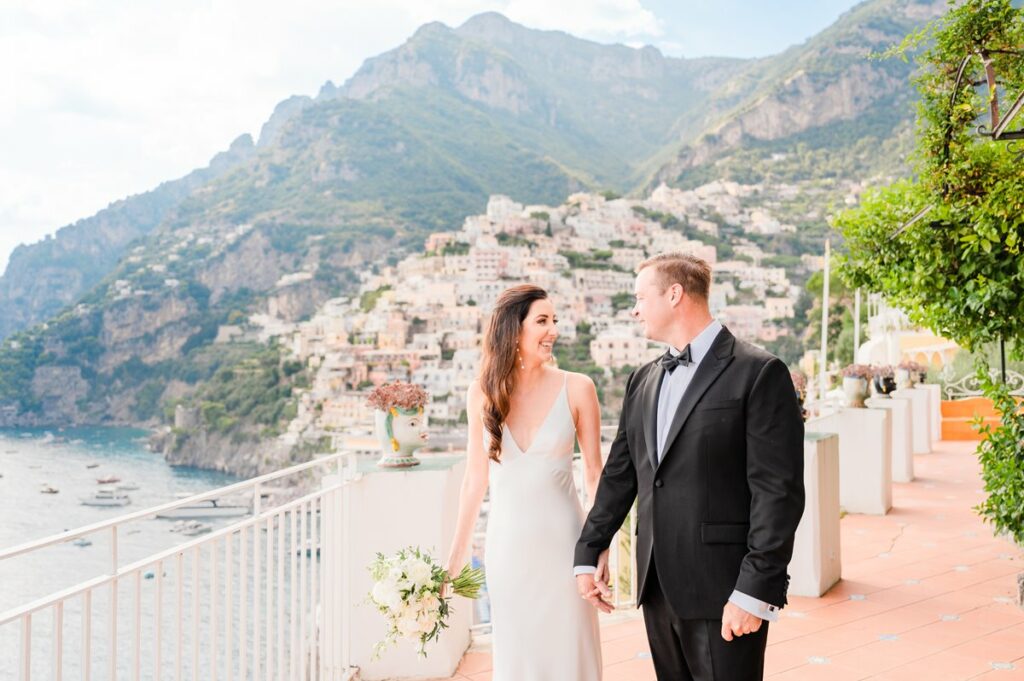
(412, 143)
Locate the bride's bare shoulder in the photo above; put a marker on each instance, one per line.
(475, 394)
(579, 384)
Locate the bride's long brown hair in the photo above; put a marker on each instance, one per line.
(498, 369)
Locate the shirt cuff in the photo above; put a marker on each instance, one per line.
(583, 570)
(765, 611)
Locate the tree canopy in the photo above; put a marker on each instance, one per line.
(946, 246)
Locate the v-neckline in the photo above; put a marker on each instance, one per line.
(540, 427)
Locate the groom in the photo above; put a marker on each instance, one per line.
(710, 442)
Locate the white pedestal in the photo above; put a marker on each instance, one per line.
(934, 409)
(816, 565)
(865, 457)
(386, 511)
(901, 416)
(922, 426)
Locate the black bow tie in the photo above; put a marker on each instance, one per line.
(669, 361)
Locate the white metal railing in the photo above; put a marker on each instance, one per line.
(256, 599)
(261, 598)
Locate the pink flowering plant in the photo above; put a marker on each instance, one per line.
(799, 381)
(913, 367)
(407, 396)
(858, 371)
(883, 371)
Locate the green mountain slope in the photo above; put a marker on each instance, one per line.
(838, 112)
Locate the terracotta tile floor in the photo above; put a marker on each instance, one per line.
(927, 595)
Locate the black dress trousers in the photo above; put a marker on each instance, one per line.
(693, 649)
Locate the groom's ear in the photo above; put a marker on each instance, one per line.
(676, 294)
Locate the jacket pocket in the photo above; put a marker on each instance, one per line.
(724, 533)
(722, 404)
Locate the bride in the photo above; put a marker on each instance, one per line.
(524, 418)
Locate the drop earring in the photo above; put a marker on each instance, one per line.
(521, 364)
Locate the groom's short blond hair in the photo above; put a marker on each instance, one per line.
(689, 271)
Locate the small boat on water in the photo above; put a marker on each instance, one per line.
(92, 465)
(107, 497)
(209, 508)
(191, 527)
(82, 541)
(127, 487)
(49, 490)
(109, 480)
(308, 550)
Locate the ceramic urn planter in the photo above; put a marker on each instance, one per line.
(855, 389)
(400, 422)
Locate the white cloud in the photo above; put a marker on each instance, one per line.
(107, 99)
(604, 20)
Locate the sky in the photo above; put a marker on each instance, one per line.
(103, 99)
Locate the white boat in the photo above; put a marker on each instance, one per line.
(194, 527)
(107, 497)
(209, 508)
(127, 487)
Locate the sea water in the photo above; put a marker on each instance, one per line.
(71, 460)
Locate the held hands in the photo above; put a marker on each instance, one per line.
(736, 622)
(594, 587)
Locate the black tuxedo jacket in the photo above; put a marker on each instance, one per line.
(720, 510)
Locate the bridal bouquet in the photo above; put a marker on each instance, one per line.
(407, 591)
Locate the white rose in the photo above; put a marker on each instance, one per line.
(384, 593)
(408, 626)
(420, 574)
(430, 603)
(426, 623)
(379, 594)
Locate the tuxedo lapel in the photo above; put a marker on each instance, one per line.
(649, 413)
(709, 369)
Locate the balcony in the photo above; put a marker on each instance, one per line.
(927, 593)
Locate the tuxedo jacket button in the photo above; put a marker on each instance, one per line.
(658, 483)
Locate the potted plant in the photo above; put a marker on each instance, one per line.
(399, 422)
(855, 384)
(884, 379)
(902, 376)
(910, 372)
(800, 385)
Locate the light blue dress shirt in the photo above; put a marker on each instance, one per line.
(672, 389)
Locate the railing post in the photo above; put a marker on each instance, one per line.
(344, 539)
(26, 647)
(113, 603)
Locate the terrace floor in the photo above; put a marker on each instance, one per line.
(927, 594)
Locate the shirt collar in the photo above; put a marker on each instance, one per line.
(700, 345)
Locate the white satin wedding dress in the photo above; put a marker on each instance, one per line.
(541, 629)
